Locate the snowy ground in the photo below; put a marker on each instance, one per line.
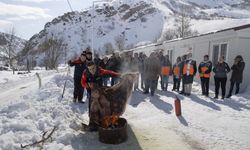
(16, 85)
(205, 124)
(8, 76)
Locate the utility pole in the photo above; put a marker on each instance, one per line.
(69, 5)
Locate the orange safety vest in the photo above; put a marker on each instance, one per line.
(165, 70)
(191, 69)
(177, 71)
(203, 74)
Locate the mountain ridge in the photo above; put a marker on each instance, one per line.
(125, 24)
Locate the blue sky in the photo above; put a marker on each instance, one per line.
(29, 16)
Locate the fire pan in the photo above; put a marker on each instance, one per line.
(114, 135)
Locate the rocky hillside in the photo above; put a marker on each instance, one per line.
(124, 24)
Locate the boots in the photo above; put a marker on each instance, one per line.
(229, 95)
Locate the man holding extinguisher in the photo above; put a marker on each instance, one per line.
(205, 69)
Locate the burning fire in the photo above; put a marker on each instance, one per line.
(110, 121)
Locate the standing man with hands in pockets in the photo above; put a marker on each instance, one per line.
(237, 74)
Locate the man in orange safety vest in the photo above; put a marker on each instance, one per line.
(189, 70)
(205, 69)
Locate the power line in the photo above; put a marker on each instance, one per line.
(69, 5)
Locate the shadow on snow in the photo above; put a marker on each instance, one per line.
(89, 140)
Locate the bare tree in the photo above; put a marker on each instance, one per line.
(9, 50)
(24, 56)
(53, 49)
(169, 34)
(120, 42)
(183, 24)
(28, 56)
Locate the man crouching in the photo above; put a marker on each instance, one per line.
(92, 78)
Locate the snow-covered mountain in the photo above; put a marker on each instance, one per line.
(17, 45)
(123, 24)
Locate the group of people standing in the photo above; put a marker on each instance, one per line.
(157, 66)
(89, 72)
(221, 69)
(185, 69)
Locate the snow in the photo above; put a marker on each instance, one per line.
(8, 76)
(103, 29)
(26, 112)
(18, 44)
(214, 3)
(205, 123)
(77, 29)
(206, 26)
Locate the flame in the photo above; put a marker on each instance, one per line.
(108, 121)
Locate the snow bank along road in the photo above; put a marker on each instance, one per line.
(205, 124)
(13, 90)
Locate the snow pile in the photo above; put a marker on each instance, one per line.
(23, 122)
(8, 80)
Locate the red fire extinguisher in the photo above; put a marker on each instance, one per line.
(177, 104)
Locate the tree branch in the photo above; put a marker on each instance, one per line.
(44, 139)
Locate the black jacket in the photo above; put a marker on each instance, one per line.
(221, 70)
(79, 67)
(114, 64)
(96, 78)
(237, 74)
(97, 61)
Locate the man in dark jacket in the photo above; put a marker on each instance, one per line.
(79, 68)
(152, 69)
(114, 64)
(237, 74)
(103, 65)
(97, 60)
(142, 58)
(183, 59)
(205, 69)
(220, 76)
(135, 68)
